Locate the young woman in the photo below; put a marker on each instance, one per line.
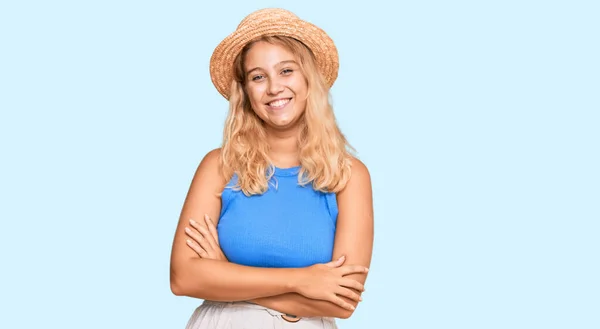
(277, 227)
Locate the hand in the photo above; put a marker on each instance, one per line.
(328, 282)
(205, 240)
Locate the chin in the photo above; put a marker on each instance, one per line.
(283, 124)
(281, 121)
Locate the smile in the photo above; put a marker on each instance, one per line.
(279, 103)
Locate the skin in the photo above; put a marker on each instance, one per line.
(199, 268)
(273, 74)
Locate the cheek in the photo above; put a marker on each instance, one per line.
(254, 96)
(302, 104)
(301, 94)
(301, 87)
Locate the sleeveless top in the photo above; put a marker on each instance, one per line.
(287, 226)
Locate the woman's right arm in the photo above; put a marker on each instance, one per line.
(204, 278)
(223, 281)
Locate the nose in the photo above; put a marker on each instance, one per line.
(275, 86)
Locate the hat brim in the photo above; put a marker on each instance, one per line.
(322, 46)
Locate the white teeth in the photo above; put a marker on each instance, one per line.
(279, 103)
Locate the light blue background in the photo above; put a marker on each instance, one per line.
(479, 121)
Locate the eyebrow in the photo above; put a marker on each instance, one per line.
(278, 64)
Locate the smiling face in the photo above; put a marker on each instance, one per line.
(275, 85)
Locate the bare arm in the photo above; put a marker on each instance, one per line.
(354, 238)
(205, 278)
(209, 279)
(291, 303)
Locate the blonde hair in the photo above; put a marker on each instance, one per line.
(324, 151)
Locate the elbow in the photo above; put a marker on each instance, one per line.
(344, 314)
(183, 288)
(176, 288)
(184, 285)
(179, 285)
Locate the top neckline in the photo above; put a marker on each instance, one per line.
(291, 171)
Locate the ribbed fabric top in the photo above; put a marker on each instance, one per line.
(287, 226)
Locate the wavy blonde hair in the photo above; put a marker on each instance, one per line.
(325, 156)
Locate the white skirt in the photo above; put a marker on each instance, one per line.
(244, 315)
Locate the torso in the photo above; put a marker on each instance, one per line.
(287, 226)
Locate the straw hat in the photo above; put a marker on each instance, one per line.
(270, 22)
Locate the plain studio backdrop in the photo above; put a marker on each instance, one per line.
(479, 122)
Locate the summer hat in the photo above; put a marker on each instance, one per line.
(270, 22)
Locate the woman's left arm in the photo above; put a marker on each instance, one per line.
(353, 239)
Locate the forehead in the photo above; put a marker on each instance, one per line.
(265, 55)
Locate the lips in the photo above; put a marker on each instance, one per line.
(279, 103)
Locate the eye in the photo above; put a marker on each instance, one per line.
(287, 71)
(257, 77)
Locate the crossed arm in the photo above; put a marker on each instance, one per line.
(294, 291)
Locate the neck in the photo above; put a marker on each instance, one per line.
(283, 148)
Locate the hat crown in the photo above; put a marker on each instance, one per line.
(267, 14)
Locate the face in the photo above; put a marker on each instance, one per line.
(275, 85)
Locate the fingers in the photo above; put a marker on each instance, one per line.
(193, 234)
(337, 263)
(348, 294)
(353, 269)
(208, 237)
(353, 284)
(212, 229)
(341, 303)
(200, 235)
(201, 252)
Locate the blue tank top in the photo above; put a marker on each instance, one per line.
(287, 226)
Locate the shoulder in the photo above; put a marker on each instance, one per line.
(209, 168)
(359, 175)
(211, 161)
(212, 157)
(358, 186)
(359, 169)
